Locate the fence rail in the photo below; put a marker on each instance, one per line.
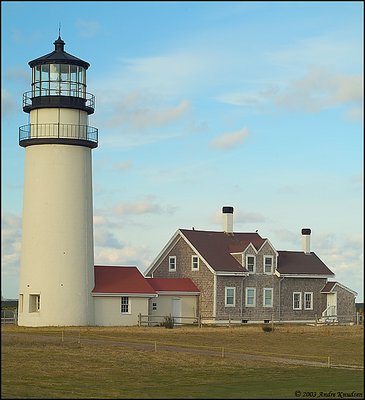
(9, 317)
(153, 320)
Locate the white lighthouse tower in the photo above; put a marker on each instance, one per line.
(57, 251)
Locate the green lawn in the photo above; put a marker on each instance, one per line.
(35, 369)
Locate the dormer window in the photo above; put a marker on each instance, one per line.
(251, 264)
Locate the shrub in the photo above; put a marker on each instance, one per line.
(168, 322)
(267, 328)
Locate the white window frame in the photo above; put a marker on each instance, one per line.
(172, 259)
(194, 263)
(300, 300)
(254, 263)
(21, 302)
(34, 302)
(226, 296)
(125, 304)
(263, 298)
(311, 301)
(272, 264)
(154, 306)
(254, 296)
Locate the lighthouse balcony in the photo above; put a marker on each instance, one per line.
(56, 133)
(52, 98)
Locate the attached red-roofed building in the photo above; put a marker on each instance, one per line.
(122, 295)
(176, 296)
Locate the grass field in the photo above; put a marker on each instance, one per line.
(32, 368)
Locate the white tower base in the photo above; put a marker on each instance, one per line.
(57, 263)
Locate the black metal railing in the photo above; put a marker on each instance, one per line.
(58, 97)
(56, 131)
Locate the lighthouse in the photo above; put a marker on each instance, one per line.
(57, 249)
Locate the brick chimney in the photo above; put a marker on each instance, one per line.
(306, 236)
(227, 219)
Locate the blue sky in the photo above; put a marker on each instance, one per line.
(199, 105)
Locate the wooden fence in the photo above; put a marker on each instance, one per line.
(159, 320)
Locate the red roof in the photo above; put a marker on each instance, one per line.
(328, 287)
(297, 262)
(215, 247)
(173, 285)
(120, 279)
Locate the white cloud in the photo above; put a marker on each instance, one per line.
(10, 244)
(317, 90)
(230, 139)
(321, 89)
(16, 74)
(8, 103)
(123, 166)
(330, 51)
(146, 206)
(88, 28)
(141, 113)
(239, 218)
(128, 255)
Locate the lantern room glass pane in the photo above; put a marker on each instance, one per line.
(73, 73)
(37, 73)
(45, 72)
(82, 75)
(54, 72)
(65, 72)
(37, 89)
(54, 86)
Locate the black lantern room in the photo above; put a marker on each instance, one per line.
(58, 81)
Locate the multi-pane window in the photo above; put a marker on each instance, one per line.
(250, 297)
(195, 263)
(297, 300)
(251, 263)
(308, 301)
(267, 297)
(154, 306)
(124, 305)
(230, 297)
(172, 263)
(268, 262)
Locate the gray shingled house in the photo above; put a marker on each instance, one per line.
(243, 278)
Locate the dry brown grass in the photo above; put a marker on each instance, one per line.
(33, 368)
(343, 344)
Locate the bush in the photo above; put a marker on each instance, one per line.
(267, 328)
(168, 322)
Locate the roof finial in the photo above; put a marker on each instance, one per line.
(59, 29)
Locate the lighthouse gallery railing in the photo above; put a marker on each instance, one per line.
(60, 131)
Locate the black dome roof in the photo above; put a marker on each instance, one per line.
(59, 56)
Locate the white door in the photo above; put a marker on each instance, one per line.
(176, 310)
(331, 304)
